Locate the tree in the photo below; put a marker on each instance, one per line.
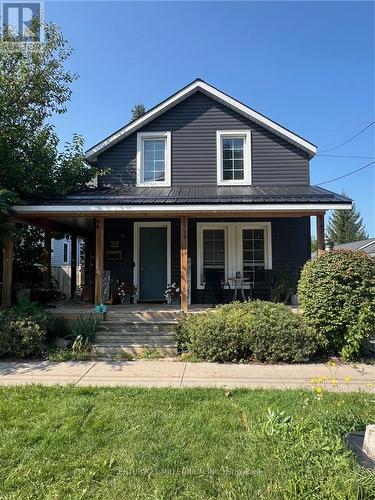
(314, 244)
(345, 226)
(138, 110)
(34, 85)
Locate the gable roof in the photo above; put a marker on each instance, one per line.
(367, 246)
(216, 94)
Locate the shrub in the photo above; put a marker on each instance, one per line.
(21, 338)
(257, 331)
(86, 328)
(337, 295)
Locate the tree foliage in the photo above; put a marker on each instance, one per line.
(34, 85)
(138, 110)
(345, 226)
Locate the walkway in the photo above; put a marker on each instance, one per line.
(170, 373)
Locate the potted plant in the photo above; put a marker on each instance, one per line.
(172, 294)
(126, 292)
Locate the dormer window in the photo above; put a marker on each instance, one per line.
(154, 159)
(233, 157)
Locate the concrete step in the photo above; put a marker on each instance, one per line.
(139, 339)
(143, 317)
(125, 328)
(108, 350)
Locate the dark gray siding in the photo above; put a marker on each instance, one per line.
(193, 124)
(290, 247)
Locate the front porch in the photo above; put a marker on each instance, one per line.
(147, 254)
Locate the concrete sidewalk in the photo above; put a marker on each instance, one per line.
(171, 373)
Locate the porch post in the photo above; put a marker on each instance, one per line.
(99, 259)
(6, 300)
(320, 232)
(184, 263)
(47, 259)
(73, 266)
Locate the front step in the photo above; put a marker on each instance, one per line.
(134, 332)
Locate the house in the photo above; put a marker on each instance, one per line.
(367, 246)
(61, 260)
(200, 184)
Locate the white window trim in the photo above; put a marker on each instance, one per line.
(233, 246)
(141, 136)
(136, 247)
(243, 134)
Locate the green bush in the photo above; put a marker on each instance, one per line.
(86, 328)
(21, 338)
(251, 331)
(337, 294)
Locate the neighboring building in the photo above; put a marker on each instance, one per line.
(61, 259)
(367, 246)
(199, 184)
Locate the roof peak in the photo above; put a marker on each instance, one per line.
(214, 93)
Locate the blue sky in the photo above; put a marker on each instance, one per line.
(306, 65)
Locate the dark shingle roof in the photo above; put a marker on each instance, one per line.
(203, 194)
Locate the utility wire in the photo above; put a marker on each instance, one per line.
(344, 156)
(346, 175)
(354, 136)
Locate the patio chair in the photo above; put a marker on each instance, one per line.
(263, 284)
(213, 283)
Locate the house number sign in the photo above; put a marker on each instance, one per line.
(114, 244)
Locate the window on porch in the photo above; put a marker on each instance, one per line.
(233, 248)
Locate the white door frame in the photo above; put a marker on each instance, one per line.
(136, 238)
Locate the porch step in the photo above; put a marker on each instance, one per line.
(110, 349)
(136, 327)
(134, 331)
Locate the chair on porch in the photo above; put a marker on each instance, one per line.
(262, 285)
(213, 282)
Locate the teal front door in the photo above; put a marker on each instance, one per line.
(152, 263)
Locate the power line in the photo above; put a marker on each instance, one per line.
(346, 175)
(344, 156)
(351, 138)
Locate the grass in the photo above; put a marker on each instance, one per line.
(104, 443)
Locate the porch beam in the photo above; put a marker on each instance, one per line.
(73, 266)
(320, 233)
(184, 263)
(47, 251)
(7, 284)
(54, 226)
(99, 259)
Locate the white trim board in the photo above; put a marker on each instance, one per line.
(235, 208)
(214, 93)
(136, 247)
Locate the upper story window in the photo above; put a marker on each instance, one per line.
(154, 159)
(233, 157)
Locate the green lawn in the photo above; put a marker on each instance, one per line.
(189, 443)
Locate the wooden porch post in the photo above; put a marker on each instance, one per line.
(47, 259)
(7, 273)
(320, 232)
(73, 266)
(184, 263)
(99, 259)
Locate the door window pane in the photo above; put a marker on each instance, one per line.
(252, 251)
(154, 160)
(214, 251)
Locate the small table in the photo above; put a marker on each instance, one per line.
(238, 284)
